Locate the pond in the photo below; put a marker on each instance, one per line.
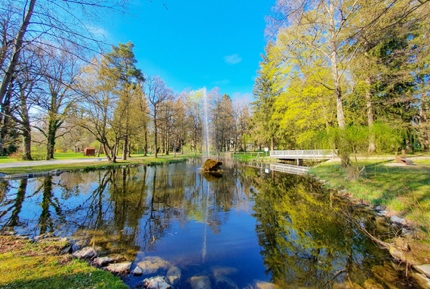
(239, 230)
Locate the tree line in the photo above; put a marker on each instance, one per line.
(347, 74)
(58, 90)
(350, 75)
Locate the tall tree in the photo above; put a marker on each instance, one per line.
(267, 88)
(59, 72)
(158, 94)
(120, 68)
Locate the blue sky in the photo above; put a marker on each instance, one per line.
(196, 43)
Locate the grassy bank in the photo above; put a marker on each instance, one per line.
(400, 188)
(24, 264)
(87, 166)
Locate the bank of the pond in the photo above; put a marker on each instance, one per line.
(27, 264)
(37, 168)
(398, 192)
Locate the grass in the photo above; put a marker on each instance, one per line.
(402, 189)
(87, 166)
(250, 156)
(39, 265)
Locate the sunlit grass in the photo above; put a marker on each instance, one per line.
(87, 166)
(38, 265)
(403, 189)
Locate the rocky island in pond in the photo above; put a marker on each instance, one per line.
(212, 167)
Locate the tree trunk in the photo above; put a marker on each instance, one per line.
(27, 144)
(370, 116)
(337, 87)
(17, 46)
(125, 149)
(155, 134)
(50, 138)
(145, 146)
(4, 122)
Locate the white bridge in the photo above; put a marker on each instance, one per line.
(300, 155)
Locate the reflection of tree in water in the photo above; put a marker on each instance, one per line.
(304, 240)
(20, 196)
(15, 204)
(46, 222)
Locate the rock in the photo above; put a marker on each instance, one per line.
(102, 261)
(200, 282)
(423, 269)
(155, 283)
(398, 220)
(116, 258)
(137, 271)
(152, 264)
(66, 250)
(223, 271)
(119, 268)
(422, 280)
(173, 275)
(211, 165)
(265, 285)
(85, 253)
(225, 283)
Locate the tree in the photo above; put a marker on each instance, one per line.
(267, 88)
(57, 22)
(194, 109)
(222, 122)
(59, 72)
(157, 94)
(120, 69)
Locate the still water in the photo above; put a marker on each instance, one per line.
(239, 230)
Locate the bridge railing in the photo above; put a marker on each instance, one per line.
(303, 154)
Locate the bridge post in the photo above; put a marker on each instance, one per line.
(299, 162)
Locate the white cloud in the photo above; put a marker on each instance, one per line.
(97, 31)
(233, 59)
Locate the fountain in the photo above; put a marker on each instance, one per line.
(206, 122)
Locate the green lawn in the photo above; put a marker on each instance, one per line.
(135, 159)
(38, 265)
(403, 189)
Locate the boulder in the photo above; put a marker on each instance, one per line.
(152, 264)
(155, 283)
(102, 261)
(211, 165)
(224, 282)
(119, 268)
(137, 271)
(174, 275)
(85, 253)
(200, 282)
(423, 269)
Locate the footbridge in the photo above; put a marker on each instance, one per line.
(301, 155)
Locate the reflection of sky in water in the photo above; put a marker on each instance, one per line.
(175, 213)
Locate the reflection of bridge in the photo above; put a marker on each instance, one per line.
(300, 155)
(289, 169)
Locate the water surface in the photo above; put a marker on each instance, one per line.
(246, 227)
